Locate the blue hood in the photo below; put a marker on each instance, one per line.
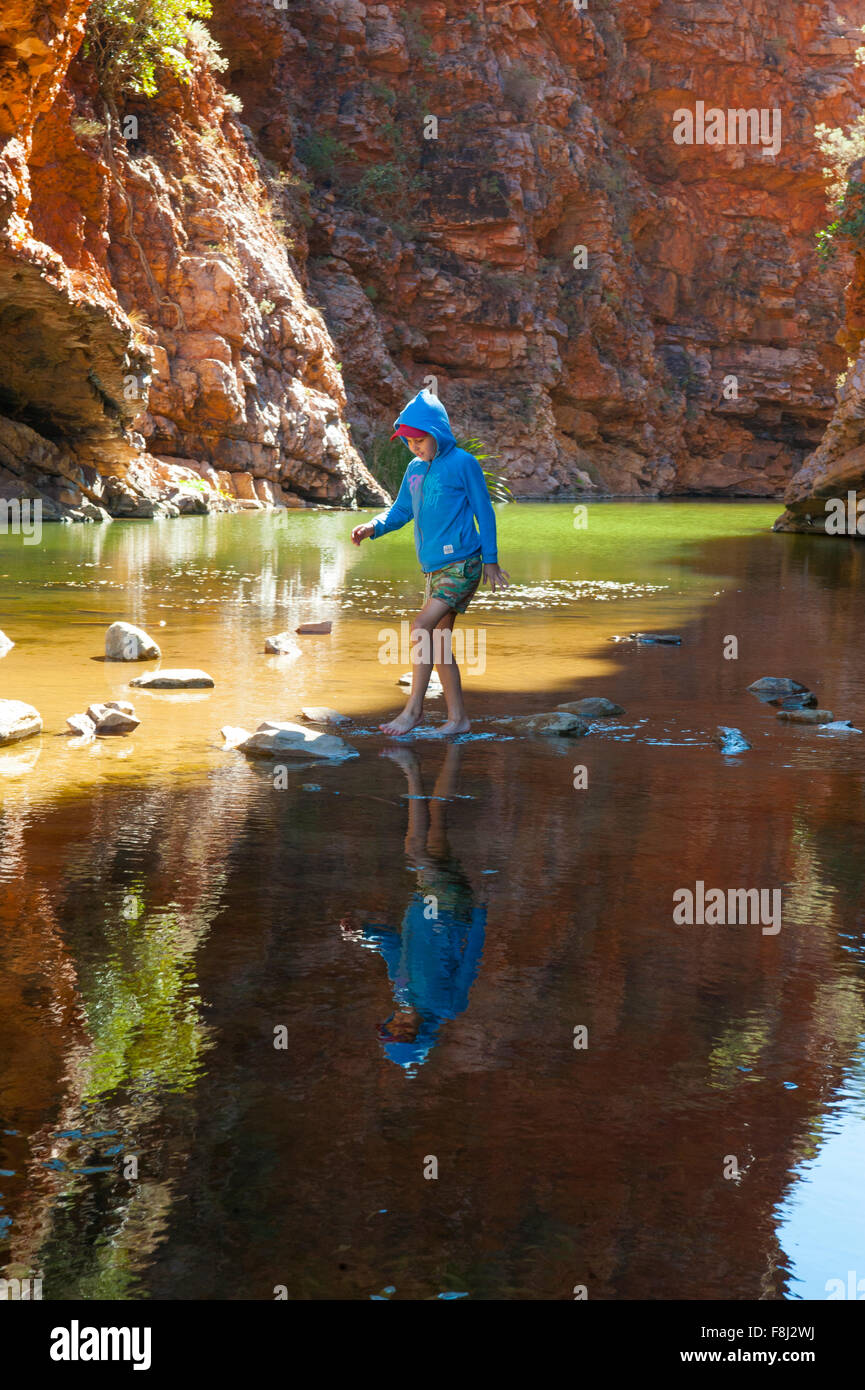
(426, 412)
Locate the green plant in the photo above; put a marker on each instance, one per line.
(129, 42)
(387, 460)
(320, 151)
(842, 150)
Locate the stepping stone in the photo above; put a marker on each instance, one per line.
(282, 644)
(320, 714)
(558, 724)
(806, 716)
(6, 644)
(730, 740)
(18, 720)
(114, 721)
(274, 739)
(181, 679)
(126, 642)
(314, 627)
(593, 707)
(776, 687)
(652, 639)
(433, 689)
(82, 724)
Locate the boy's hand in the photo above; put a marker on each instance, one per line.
(496, 577)
(362, 533)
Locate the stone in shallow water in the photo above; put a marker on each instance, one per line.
(777, 687)
(126, 642)
(593, 707)
(434, 687)
(82, 724)
(6, 644)
(320, 714)
(806, 716)
(730, 740)
(18, 720)
(314, 627)
(114, 721)
(275, 739)
(806, 700)
(652, 639)
(180, 679)
(558, 724)
(839, 726)
(282, 644)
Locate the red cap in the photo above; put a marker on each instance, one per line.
(408, 432)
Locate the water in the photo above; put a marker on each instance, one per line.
(233, 1040)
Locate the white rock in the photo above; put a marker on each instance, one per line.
(233, 735)
(179, 679)
(6, 644)
(82, 724)
(274, 739)
(18, 720)
(434, 687)
(838, 726)
(282, 644)
(125, 642)
(730, 740)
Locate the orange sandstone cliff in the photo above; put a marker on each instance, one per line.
(228, 307)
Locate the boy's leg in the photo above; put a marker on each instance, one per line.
(426, 620)
(418, 809)
(449, 674)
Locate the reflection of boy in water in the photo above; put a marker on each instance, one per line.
(432, 961)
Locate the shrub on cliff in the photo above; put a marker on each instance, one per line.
(128, 42)
(844, 153)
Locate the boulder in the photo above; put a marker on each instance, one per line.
(314, 627)
(730, 740)
(282, 644)
(233, 735)
(18, 720)
(320, 714)
(114, 721)
(6, 644)
(777, 687)
(125, 642)
(806, 716)
(558, 724)
(839, 726)
(593, 707)
(805, 700)
(82, 724)
(274, 739)
(180, 679)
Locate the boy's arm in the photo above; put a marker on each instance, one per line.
(396, 515)
(483, 509)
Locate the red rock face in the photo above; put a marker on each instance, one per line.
(492, 202)
(453, 256)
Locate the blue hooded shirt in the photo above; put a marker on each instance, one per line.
(444, 497)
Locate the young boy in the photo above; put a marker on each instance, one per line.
(444, 490)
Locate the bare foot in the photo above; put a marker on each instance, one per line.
(403, 724)
(451, 726)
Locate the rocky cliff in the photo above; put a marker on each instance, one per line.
(203, 305)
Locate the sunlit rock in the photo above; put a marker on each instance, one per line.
(126, 642)
(18, 720)
(179, 679)
(273, 739)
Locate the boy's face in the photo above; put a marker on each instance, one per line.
(423, 448)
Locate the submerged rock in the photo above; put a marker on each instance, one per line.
(274, 739)
(839, 726)
(730, 740)
(179, 679)
(652, 639)
(6, 644)
(558, 724)
(18, 720)
(593, 707)
(314, 627)
(777, 687)
(282, 644)
(125, 642)
(320, 714)
(806, 716)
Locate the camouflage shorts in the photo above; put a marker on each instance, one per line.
(455, 584)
